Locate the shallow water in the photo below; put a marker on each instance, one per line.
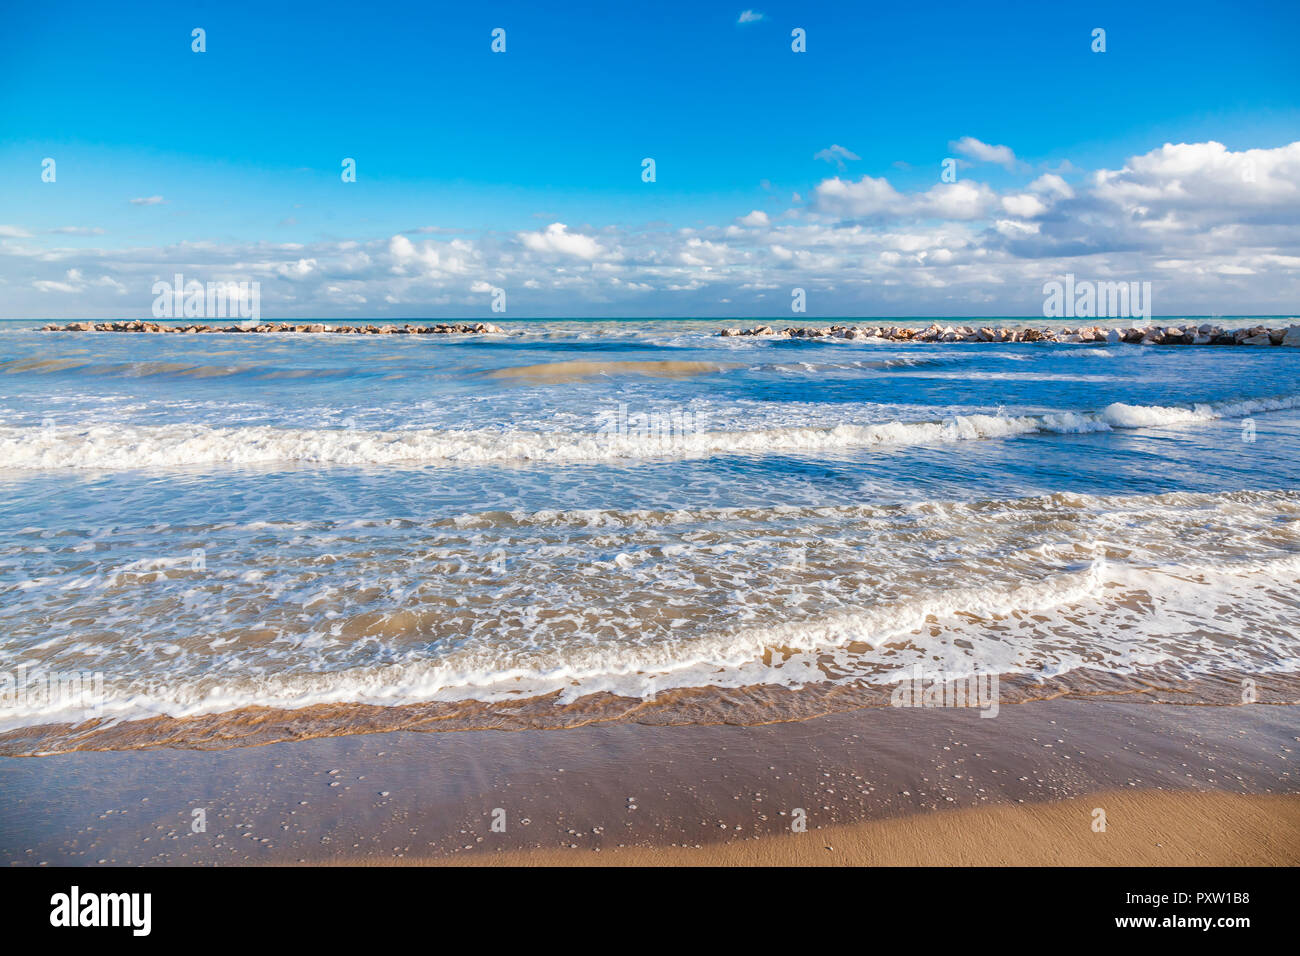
(213, 522)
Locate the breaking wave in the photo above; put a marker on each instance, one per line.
(116, 446)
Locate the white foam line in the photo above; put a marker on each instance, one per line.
(170, 446)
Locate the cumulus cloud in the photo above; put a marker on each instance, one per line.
(1206, 181)
(973, 149)
(961, 200)
(431, 259)
(1216, 230)
(556, 238)
(750, 16)
(864, 198)
(877, 198)
(1024, 205)
(1052, 185)
(297, 270)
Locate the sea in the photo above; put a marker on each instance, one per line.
(214, 540)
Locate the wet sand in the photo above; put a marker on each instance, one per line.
(879, 785)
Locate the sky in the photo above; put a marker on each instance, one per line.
(1172, 157)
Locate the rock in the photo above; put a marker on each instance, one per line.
(1147, 335)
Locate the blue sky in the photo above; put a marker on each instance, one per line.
(243, 144)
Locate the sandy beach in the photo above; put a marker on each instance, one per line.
(1178, 785)
(1145, 828)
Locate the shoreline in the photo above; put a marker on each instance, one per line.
(752, 705)
(402, 796)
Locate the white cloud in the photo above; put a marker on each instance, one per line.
(431, 259)
(961, 200)
(1218, 230)
(1205, 178)
(836, 154)
(297, 270)
(14, 232)
(74, 283)
(1052, 185)
(148, 201)
(556, 238)
(46, 285)
(866, 197)
(972, 148)
(876, 198)
(1023, 205)
(750, 16)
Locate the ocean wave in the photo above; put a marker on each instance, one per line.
(117, 446)
(960, 632)
(636, 602)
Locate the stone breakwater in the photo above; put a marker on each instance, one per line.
(1146, 335)
(141, 326)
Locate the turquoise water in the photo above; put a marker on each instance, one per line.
(213, 521)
